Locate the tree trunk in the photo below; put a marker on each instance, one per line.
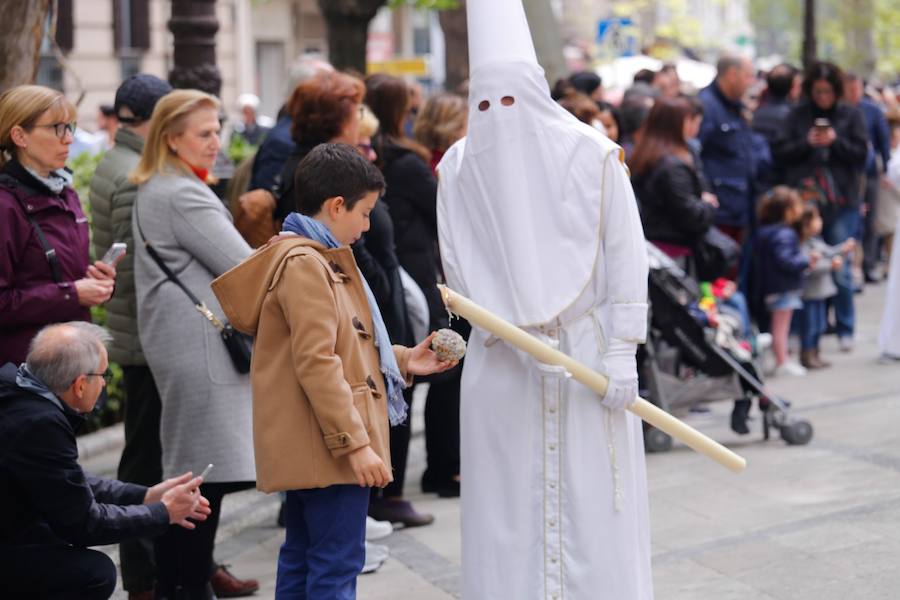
(348, 30)
(809, 34)
(21, 32)
(456, 43)
(548, 42)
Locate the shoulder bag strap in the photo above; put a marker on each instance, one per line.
(198, 304)
(49, 251)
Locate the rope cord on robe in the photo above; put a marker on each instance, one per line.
(660, 419)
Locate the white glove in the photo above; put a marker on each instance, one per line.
(621, 368)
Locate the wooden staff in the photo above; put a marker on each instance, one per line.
(660, 419)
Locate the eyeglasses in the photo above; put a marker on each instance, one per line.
(60, 129)
(106, 375)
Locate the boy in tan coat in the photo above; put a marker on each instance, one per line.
(325, 378)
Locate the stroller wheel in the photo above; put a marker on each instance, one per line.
(657, 441)
(797, 433)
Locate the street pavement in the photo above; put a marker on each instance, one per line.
(816, 522)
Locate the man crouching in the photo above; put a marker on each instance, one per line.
(326, 380)
(50, 511)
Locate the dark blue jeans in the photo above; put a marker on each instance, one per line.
(324, 546)
(812, 321)
(843, 226)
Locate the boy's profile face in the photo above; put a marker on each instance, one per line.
(347, 226)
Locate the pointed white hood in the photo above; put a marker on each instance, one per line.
(498, 32)
(520, 197)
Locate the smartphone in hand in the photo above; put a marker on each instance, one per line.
(114, 254)
(821, 124)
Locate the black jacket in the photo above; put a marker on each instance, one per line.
(845, 159)
(411, 195)
(376, 258)
(669, 200)
(45, 497)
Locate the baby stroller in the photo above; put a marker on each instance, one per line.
(685, 363)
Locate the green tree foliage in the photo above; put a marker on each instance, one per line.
(860, 35)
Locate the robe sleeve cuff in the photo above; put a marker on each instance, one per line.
(629, 321)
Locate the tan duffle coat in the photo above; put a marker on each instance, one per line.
(318, 393)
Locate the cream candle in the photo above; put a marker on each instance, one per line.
(678, 429)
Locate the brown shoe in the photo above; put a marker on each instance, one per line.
(808, 359)
(822, 363)
(398, 511)
(226, 585)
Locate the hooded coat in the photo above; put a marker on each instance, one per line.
(318, 392)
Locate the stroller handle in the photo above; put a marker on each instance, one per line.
(678, 429)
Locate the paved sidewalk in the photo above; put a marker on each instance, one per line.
(816, 522)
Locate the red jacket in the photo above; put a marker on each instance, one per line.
(29, 296)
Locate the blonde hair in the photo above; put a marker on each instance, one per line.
(368, 123)
(24, 105)
(169, 120)
(441, 121)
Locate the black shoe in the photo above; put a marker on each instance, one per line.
(280, 520)
(739, 417)
(448, 489)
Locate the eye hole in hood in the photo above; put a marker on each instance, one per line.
(484, 105)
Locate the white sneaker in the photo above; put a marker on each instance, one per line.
(845, 343)
(790, 368)
(376, 530)
(376, 554)
(763, 342)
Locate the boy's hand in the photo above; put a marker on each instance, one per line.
(369, 469)
(423, 360)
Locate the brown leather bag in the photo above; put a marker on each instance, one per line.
(252, 210)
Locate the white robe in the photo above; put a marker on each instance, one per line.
(889, 336)
(542, 459)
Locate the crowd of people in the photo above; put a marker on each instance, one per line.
(788, 181)
(789, 164)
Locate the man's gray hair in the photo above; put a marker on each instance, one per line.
(305, 68)
(727, 62)
(59, 353)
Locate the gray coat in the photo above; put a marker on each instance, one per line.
(205, 401)
(819, 282)
(112, 196)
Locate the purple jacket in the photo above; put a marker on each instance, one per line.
(29, 296)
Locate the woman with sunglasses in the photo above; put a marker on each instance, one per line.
(45, 270)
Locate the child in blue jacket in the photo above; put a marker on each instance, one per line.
(781, 264)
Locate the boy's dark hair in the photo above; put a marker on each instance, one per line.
(331, 170)
(774, 204)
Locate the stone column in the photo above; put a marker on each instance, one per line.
(194, 26)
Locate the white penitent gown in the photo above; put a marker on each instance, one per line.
(889, 335)
(554, 501)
